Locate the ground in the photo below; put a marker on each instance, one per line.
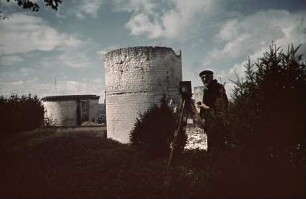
(70, 163)
(52, 163)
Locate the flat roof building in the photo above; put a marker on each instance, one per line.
(71, 110)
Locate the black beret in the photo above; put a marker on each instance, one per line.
(206, 72)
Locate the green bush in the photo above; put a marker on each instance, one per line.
(153, 130)
(20, 113)
(268, 117)
(270, 103)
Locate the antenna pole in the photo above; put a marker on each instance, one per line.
(55, 86)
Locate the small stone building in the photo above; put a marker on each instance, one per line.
(71, 110)
(102, 114)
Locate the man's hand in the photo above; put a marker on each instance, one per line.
(201, 105)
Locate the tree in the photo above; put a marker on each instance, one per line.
(271, 100)
(20, 113)
(268, 117)
(32, 5)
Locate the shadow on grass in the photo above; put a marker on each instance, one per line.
(84, 165)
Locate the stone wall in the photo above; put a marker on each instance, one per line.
(136, 78)
(71, 110)
(62, 113)
(93, 110)
(102, 114)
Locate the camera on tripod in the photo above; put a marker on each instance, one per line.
(185, 89)
(187, 107)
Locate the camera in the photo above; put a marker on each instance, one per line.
(185, 89)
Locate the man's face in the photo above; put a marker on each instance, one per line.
(207, 79)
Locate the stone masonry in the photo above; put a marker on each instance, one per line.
(136, 78)
(71, 110)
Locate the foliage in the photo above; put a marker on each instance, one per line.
(3, 16)
(104, 172)
(108, 167)
(154, 129)
(271, 100)
(32, 5)
(20, 113)
(267, 118)
(48, 122)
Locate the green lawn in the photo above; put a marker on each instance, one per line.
(45, 163)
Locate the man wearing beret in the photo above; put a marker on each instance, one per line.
(213, 109)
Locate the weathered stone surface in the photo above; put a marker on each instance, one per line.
(62, 113)
(63, 110)
(136, 78)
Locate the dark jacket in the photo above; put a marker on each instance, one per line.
(215, 97)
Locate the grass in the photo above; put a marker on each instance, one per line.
(49, 164)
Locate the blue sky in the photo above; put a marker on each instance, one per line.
(69, 45)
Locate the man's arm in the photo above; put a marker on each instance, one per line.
(201, 105)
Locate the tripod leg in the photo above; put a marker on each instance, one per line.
(174, 141)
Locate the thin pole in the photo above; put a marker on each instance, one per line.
(105, 97)
(55, 86)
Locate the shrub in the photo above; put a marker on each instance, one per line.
(153, 130)
(20, 113)
(270, 103)
(268, 117)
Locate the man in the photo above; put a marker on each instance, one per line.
(213, 109)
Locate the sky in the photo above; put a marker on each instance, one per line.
(68, 46)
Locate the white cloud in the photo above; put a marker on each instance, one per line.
(101, 53)
(73, 59)
(229, 31)
(23, 72)
(47, 88)
(79, 87)
(142, 24)
(250, 36)
(175, 19)
(10, 60)
(24, 33)
(185, 16)
(71, 87)
(147, 6)
(17, 82)
(81, 57)
(87, 8)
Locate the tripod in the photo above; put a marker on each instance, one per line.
(186, 105)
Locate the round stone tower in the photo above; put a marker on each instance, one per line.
(136, 78)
